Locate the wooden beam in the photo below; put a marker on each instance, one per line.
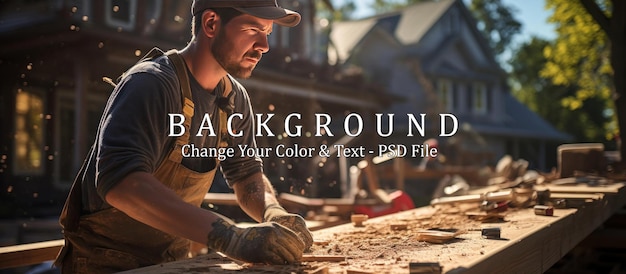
(221, 198)
(323, 258)
(529, 243)
(29, 254)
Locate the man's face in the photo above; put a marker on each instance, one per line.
(240, 43)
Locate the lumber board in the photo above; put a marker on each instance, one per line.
(28, 254)
(529, 243)
(221, 198)
(585, 188)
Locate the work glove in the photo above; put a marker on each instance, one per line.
(276, 213)
(269, 243)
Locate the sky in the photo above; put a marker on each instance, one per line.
(531, 13)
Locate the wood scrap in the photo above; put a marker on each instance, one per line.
(486, 216)
(319, 270)
(322, 258)
(358, 219)
(321, 242)
(435, 236)
(358, 271)
(398, 226)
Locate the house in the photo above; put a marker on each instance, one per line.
(56, 52)
(433, 55)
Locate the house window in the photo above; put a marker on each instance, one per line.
(121, 14)
(29, 133)
(445, 92)
(479, 98)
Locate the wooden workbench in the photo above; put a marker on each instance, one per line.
(529, 243)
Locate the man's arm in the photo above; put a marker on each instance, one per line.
(144, 198)
(257, 198)
(254, 194)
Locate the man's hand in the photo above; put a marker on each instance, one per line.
(269, 243)
(276, 213)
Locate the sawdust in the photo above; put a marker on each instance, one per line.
(379, 247)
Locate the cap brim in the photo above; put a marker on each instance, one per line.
(281, 16)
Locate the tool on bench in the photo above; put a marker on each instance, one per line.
(378, 202)
(518, 197)
(494, 207)
(490, 232)
(544, 210)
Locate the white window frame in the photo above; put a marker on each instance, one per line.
(445, 93)
(479, 98)
(116, 23)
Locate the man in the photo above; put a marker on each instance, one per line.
(136, 200)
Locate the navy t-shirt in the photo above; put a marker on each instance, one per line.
(134, 130)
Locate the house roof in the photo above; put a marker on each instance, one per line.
(416, 20)
(408, 26)
(346, 35)
(521, 122)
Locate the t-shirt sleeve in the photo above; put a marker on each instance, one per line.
(133, 134)
(239, 167)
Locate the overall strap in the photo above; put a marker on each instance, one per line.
(181, 72)
(222, 139)
(188, 107)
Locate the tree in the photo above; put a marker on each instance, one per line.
(495, 19)
(496, 22)
(382, 6)
(548, 99)
(589, 53)
(326, 9)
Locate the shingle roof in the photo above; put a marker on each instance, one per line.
(521, 122)
(416, 20)
(408, 26)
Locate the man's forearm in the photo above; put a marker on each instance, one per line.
(254, 194)
(144, 198)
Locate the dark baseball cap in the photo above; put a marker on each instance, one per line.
(266, 9)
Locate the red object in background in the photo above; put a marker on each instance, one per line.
(400, 201)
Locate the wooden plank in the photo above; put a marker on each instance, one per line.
(28, 254)
(585, 188)
(323, 258)
(221, 198)
(577, 196)
(529, 243)
(533, 251)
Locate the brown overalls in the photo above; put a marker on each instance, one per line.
(109, 240)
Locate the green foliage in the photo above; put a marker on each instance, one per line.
(496, 22)
(585, 124)
(340, 13)
(579, 58)
(382, 6)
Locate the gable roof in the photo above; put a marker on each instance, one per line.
(345, 36)
(416, 20)
(407, 25)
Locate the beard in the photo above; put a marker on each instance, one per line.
(223, 52)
